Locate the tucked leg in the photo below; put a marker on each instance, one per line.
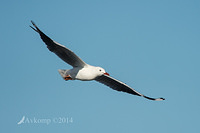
(68, 77)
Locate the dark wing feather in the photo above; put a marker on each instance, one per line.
(120, 86)
(61, 51)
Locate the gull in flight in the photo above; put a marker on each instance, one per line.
(83, 71)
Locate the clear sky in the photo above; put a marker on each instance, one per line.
(153, 46)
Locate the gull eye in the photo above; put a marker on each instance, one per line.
(100, 70)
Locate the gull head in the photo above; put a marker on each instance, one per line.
(101, 71)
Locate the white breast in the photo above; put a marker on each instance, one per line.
(86, 73)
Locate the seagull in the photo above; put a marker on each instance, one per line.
(83, 71)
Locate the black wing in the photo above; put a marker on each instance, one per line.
(120, 86)
(61, 51)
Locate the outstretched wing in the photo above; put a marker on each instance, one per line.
(61, 51)
(120, 86)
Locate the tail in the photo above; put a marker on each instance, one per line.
(63, 72)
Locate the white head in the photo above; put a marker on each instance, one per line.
(101, 71)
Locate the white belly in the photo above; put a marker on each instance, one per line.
(86, 73)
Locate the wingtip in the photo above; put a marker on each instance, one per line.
(160, 99)
(154, 99)
(33, 28)
(33, 23)
(36, 28)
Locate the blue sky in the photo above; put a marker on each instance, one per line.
(153, 46)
